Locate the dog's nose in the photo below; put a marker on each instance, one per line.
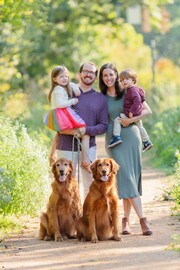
(104, 171)
(61, 172)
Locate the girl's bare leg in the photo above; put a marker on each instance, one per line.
(85, 149)
(53, 157)
(85, 160)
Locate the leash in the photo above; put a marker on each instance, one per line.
(79, 144)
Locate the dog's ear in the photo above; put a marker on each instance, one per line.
(114, 165)
(71, 166)
(53, 168)
(93, 168)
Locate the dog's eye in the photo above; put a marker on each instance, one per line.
(99, 165)
(65, 164)
(57, 164)
(107, 164)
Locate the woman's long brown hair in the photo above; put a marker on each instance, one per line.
(103, 87)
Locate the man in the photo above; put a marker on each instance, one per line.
(92, 108)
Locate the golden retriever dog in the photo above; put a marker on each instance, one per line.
(100, 209)
(64, 206)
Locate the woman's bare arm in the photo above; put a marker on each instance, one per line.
(125, 122)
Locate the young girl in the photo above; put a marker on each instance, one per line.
(62, 117)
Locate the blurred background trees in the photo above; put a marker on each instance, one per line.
(38, 35)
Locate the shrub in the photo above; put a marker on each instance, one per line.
(24, 174)
(165, 136)
(175, 188)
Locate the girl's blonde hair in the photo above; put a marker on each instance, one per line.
(54, 73)
(128, 73)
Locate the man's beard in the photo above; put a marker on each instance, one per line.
(88, 82)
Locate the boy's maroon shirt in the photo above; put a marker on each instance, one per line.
(133, 100)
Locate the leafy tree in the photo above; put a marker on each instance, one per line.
(168, 43)
(20, 13)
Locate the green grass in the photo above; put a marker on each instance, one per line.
(10, 224)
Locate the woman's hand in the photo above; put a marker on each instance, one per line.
(125, 122)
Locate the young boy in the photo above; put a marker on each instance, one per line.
(133, 104)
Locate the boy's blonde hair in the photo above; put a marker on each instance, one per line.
(54, 73)
(128, 73)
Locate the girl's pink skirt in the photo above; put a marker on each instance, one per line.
(63, 119)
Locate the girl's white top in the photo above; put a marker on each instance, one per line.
(59, 97)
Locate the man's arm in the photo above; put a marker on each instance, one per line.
(102, 124)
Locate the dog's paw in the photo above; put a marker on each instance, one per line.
(94, 240)
(58, 238)
(118, 238)
(47, 238)
(65, 237)
(83, 239)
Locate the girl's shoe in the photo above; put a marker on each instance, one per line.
(125, 226)
(145, 226)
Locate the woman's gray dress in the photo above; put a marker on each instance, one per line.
(127, 154)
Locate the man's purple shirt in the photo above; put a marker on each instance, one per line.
(93, 109)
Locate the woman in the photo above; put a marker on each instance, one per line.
(128, 153)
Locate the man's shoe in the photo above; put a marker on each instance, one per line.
(114, 141)
(147, 145)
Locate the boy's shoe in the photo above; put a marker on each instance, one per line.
(147, 145)
(114, 141)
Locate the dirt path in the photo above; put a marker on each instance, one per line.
(135, 252)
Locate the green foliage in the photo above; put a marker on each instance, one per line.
(24, 175)
(175, 185)
(5, 191)
(9, 223)
(19, 13)
(168, 43)
(165, 135)
(175, 245)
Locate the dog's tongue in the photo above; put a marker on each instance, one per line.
(104, 178)
(62, 178)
